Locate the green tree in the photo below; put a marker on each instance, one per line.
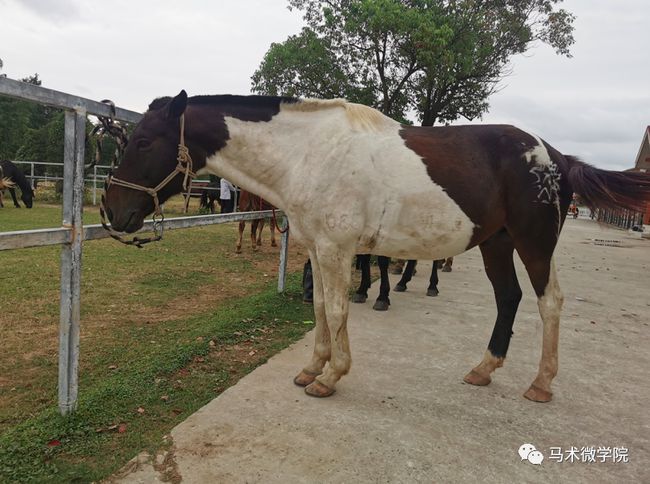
(442, 58)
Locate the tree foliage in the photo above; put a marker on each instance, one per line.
(442, 58)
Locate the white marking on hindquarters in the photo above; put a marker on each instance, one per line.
(547, 177)
(538, 154)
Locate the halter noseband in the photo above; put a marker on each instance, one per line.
(183, 167)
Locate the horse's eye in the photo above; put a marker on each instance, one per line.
(143, 144)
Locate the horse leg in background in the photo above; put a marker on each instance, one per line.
(2, 205)
(322, 341)
(12, 192)
(406, 276)
(242, 226)
(383, 301)
(203, 201)
(363, 264)
(398, 267)
(432, 290)
(272, 227)
(260, 227)
(254, 224)
(334, 268)
(497, 254)
(448, 263)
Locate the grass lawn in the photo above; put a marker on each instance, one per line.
(164, 330)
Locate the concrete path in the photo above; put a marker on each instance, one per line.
(403, 413)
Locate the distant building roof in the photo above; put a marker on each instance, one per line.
(642, 162)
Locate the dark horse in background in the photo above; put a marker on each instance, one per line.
(353, 181)
(10, 172)
(383, 300)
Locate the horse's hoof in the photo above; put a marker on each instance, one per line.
(238, 250)
(446, 269)
(305, 378)
(432, 292)
(273, 244)
(400, 288)
(536, 394)
(317, 389)
(381, 306)
(359, 298)
(475, 378)
(396, 270)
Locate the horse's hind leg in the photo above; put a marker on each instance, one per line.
(383, 301)
(322, 343)
(497, 254)
(543, 276)
(363, 264)
(432, 290)
(449, 261)
(406, 276)
(242, 226)
(260, 227)
(254, 224)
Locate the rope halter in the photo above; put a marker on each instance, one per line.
(184, 167)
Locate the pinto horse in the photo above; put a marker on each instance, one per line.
(353, 181)
(249, 202)
(10, 176)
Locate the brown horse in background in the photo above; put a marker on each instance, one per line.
(249, 202)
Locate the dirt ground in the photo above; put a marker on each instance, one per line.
(403, 413)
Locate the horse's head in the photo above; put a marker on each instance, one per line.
(27, 196)
(150, 157)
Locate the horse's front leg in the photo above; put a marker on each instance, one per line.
(322, 342)
(12, 191)
(336, 278)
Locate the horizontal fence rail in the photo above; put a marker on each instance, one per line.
(72, 233)
(57, 99)
(23, 239)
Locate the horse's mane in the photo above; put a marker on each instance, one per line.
(229, 100)
(362, 118)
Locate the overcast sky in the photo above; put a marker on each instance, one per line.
(595, 105)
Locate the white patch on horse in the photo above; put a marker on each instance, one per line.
(547, 177)
(343, 174)
(538, 153)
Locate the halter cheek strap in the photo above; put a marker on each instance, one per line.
(184, 167)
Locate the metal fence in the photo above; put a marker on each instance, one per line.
(95, 179)
(622, 218)
(72, 233)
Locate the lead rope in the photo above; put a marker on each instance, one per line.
(184, 167)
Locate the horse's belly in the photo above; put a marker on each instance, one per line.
(426, 226)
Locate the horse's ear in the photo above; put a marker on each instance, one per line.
(177, 105)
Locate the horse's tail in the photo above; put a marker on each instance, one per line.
(6, 183)
(609, 189)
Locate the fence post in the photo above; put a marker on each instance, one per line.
(73, 190)
(284, 253)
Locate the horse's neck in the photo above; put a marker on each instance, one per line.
(265, 157)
